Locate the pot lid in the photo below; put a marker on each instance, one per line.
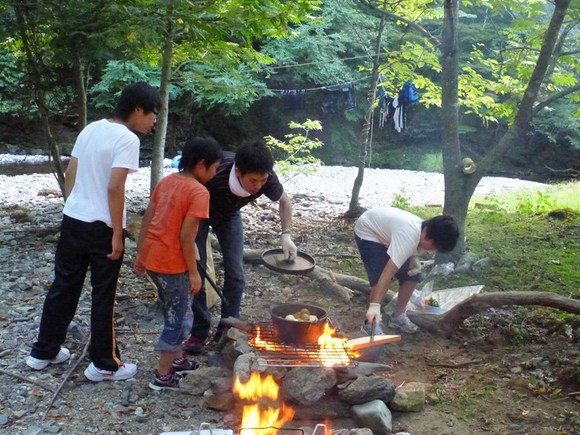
(274, 259)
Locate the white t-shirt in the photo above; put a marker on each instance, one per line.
(100, 147)
(398, 230)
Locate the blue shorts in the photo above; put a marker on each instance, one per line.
(175, 296)
(374, 257)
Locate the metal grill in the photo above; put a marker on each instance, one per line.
(279, 354)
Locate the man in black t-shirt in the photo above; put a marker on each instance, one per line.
(240, 179)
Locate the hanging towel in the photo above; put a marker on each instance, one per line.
(294, 99)
(339, 98)
(399, 115)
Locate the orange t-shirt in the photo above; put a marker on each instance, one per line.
(175, 197)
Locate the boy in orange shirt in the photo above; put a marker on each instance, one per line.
(166, 251)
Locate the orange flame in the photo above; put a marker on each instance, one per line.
(254, 419)
(332, 349)
(260, 343)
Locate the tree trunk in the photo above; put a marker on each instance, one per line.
(459, 187)
(158, 152)
(455, 194)
(353, 208)
(81, 89)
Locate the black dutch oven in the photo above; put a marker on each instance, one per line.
(296, 331)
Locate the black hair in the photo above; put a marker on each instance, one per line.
(443, 231)
(254, 157)
(199, 148)
(136, 95)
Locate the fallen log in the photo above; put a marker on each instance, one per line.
(446, 323)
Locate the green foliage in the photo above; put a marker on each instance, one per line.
(401, 201)
(338, 30)
(542, 203)
(12, 87)
(116, 75)
(532, 252)
(296, 150)
(563, 195)
(560, 124)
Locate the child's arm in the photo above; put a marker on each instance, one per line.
(187, 240)
(138, 267)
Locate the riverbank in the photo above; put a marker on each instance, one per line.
(328, 190)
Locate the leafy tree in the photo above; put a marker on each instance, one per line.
(179, 35)
(29, 26)
(296, 150)
(510, 84)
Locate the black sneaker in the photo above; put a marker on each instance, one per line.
(164, 382)
(182, 366)
(193, 345)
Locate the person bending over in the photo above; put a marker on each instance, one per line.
(389, 240)
(240, 179)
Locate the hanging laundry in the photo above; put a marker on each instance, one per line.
(398, 115)
(408, 94)
(384, 106)
(339, 98)
(294, 99)
(392, 110)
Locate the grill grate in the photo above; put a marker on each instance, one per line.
(278, 354)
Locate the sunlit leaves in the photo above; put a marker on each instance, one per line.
(494, 73)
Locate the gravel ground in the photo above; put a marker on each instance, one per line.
(330, 188)
(27, 243)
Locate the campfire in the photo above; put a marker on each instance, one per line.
(265, 415)
(274, 406)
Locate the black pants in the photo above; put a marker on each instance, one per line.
(81, 246)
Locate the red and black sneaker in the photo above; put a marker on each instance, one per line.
(182, 365)
(160, 382)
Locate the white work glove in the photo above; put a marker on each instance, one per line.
(288, 247)
(374, 312)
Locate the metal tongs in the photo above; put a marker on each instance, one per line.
(373, 327)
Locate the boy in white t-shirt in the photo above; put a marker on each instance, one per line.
(388, 239)
(92, 234)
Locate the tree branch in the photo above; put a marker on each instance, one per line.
(555, 97)
(446, 323)
(394, 17)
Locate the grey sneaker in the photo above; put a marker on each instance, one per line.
(403, 323)
(367, 328)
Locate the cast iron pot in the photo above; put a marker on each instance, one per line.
(297, 332)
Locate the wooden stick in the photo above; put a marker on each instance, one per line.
(24, 378)
(68, 375)
(454, 365)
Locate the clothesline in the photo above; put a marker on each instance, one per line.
(321, 87)
(325, 61)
